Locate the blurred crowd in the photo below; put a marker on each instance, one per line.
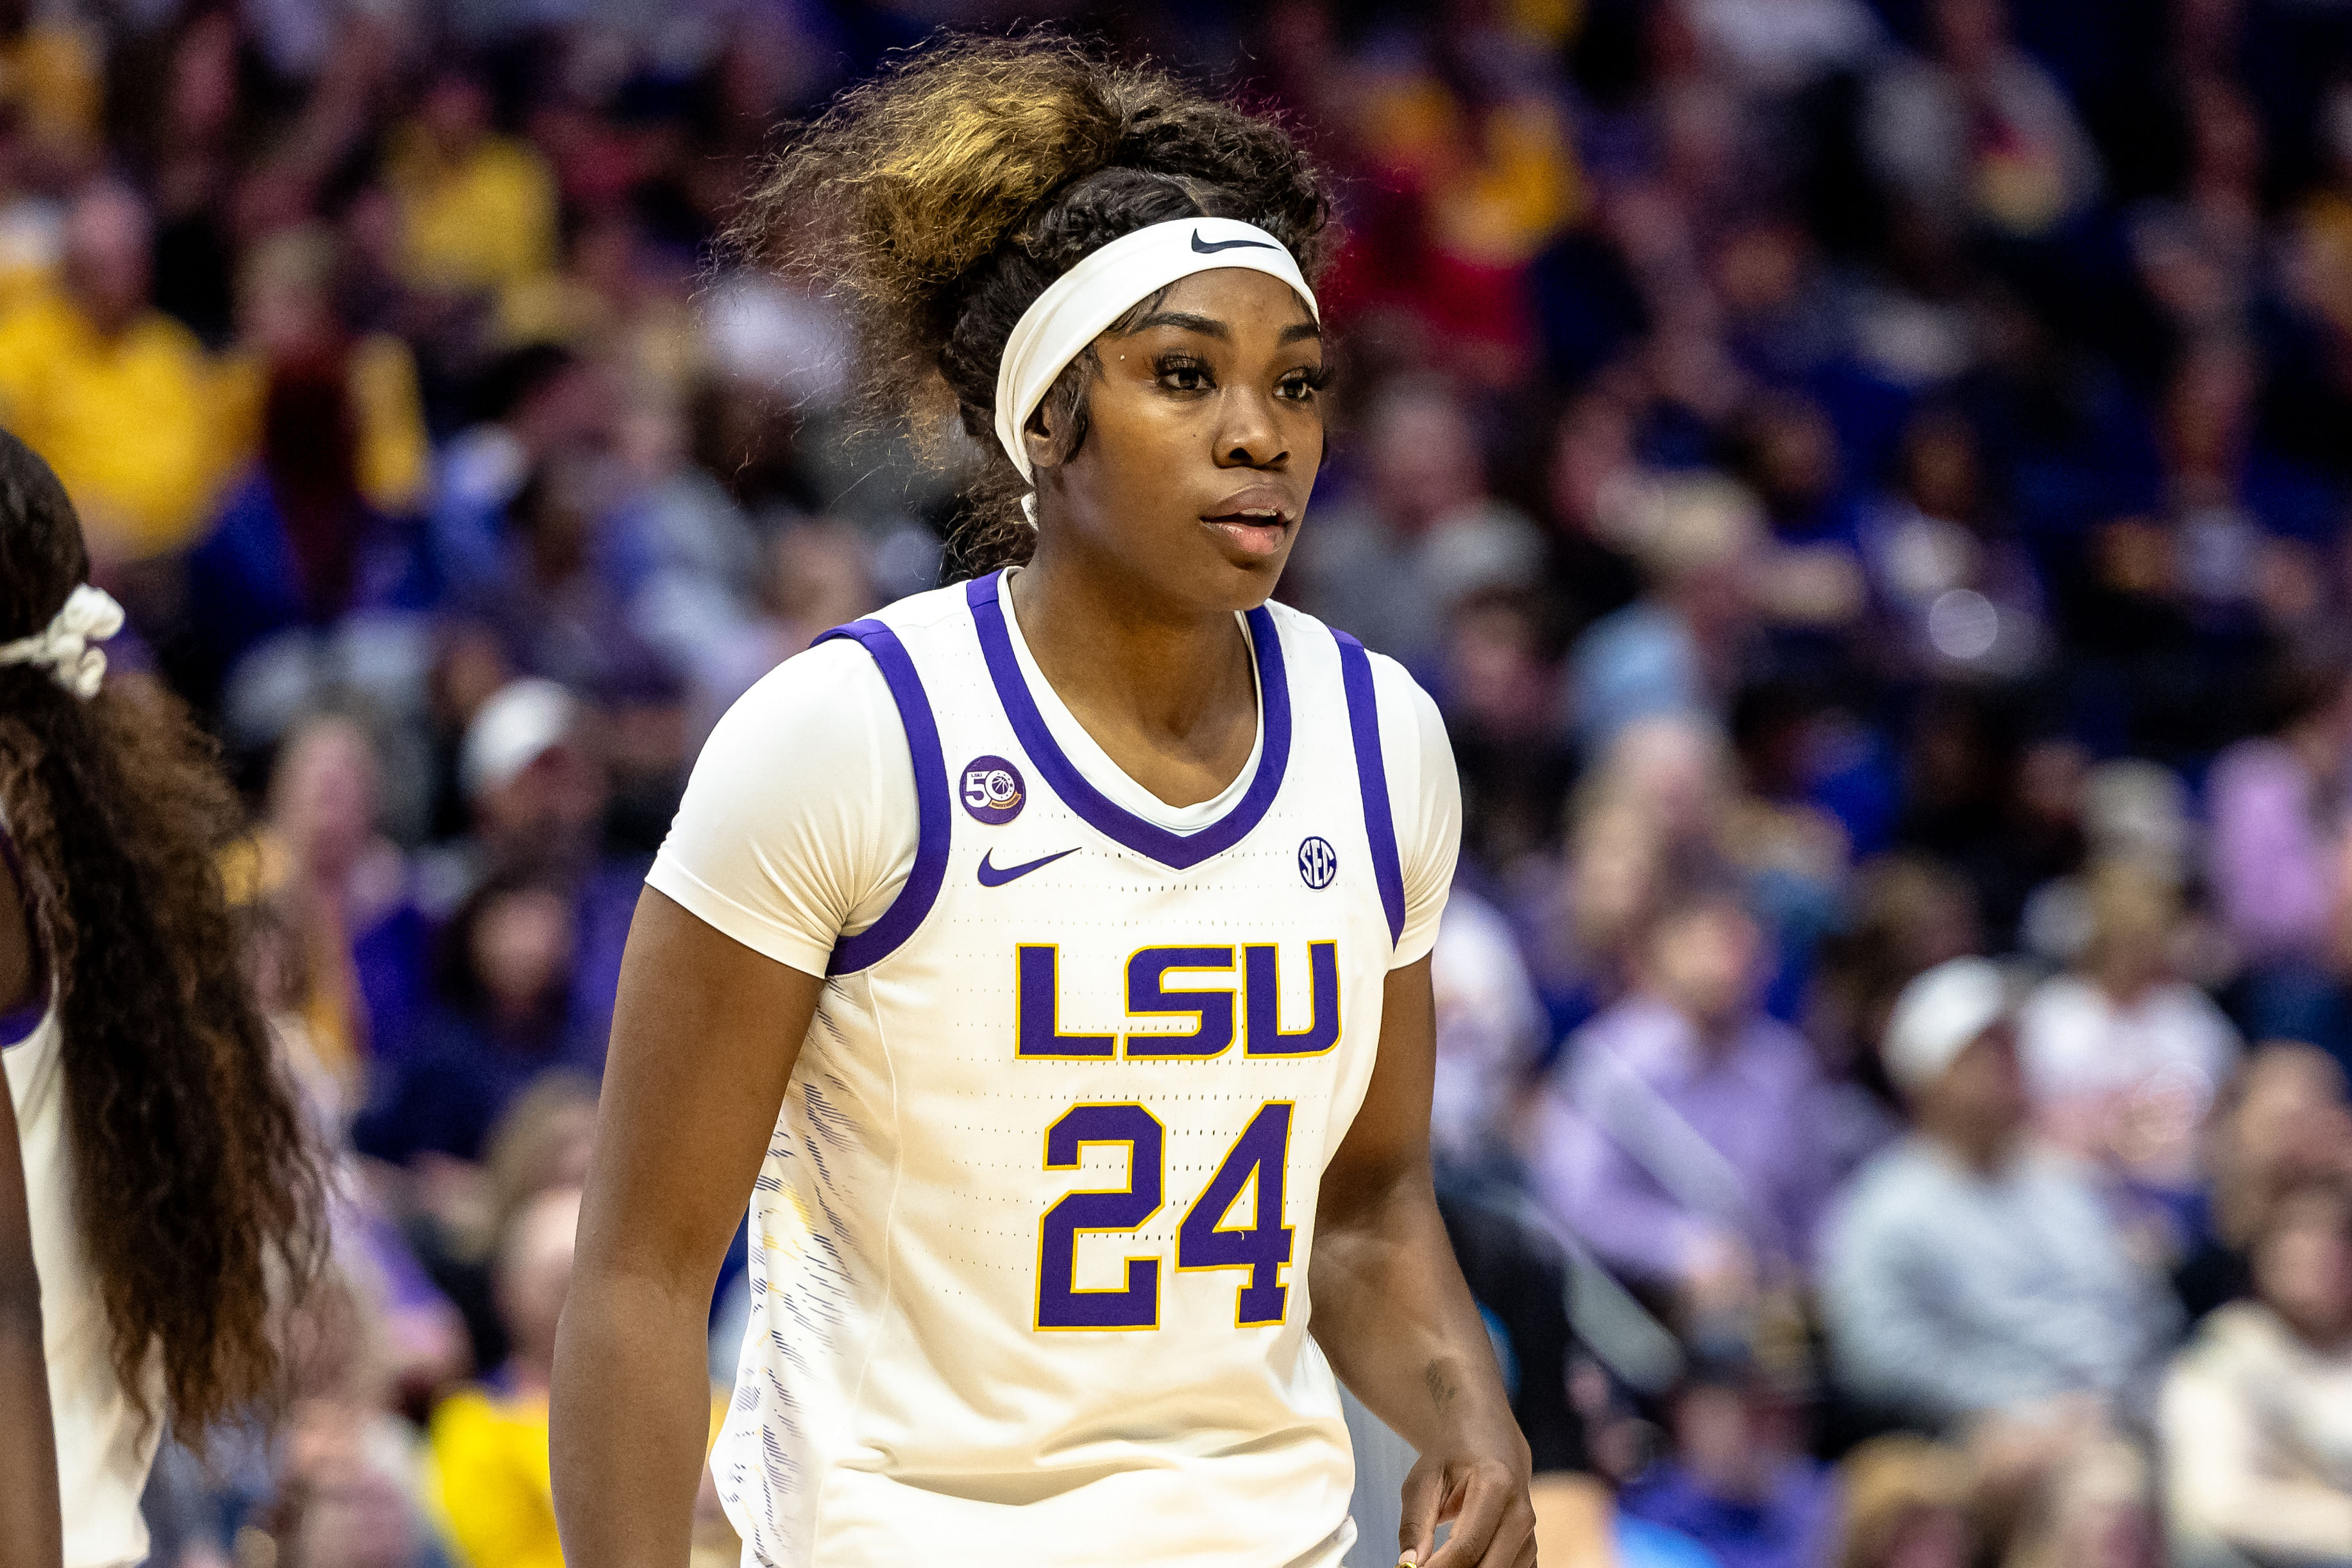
(1865, 480)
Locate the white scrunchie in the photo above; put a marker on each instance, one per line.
(68, 643)
(1081, 305)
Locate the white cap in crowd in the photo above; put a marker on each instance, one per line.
(1939, 1016)
(522, 723)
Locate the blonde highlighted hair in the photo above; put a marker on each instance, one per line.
(939, 199)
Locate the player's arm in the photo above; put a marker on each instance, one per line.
(705, 1034)
(1392, 1313)
(31, 1529)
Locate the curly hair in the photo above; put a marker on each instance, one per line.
(941, 198)
(200, 1200)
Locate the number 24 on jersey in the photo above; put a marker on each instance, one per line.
(1204, 1241)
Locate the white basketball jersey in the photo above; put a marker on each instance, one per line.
(1029, 1248)
(104, 1449)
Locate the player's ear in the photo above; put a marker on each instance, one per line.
(1042, 440)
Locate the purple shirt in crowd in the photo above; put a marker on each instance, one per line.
(1652, 1141)
(2271, 857)
(1795, 1527)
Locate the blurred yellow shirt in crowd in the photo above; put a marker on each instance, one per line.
(394, 457)
(490, 1479)
(476, 223)
(127, 423)
(489, 1459)
(1500, 181)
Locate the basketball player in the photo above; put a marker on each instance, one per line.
(155, 1183)
(1047, 957)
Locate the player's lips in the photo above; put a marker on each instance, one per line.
(1255, 521)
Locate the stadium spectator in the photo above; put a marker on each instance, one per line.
(1675, 1142)
(490, 1441)
(1903, 1502)
(615, 300)
(1972, 1282)
(1738, 1481)
(109, 390)
(1489, 1033)
(2123, 1059)
(1905, 915)
(1498, 687)
(1962, 598)
(296, 542)
(814, 576)
(537, 789)
(2284, 1121)
(558, 601)
(476, 209)
(2259, 1458)
(349, 1479)
(2198, 250)
(1976, 133)
(291, 326)
(1679, 649)
(1581, 913)
(1593, 475)
(56, 72)
(504, 1016)
(1426, 533)
(538, 403)
(346, 894)
(2276, 801)
(452, 1213)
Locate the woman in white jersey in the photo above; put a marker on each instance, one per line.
(1046, 958)
(155, 1182)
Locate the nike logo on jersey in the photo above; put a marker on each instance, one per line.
(997, 876)
(1209, 247)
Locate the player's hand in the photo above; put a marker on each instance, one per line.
(1479, 1482)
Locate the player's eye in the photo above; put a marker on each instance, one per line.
(1180, 372)
(1301, 385)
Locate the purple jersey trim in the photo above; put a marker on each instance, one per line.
(921, 890)
(1180, 850)
(18, 1024)
(1372, 778)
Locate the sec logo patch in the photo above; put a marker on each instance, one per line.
(992, 790)
(1319, 863)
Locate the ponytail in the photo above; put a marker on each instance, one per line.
(940, 199)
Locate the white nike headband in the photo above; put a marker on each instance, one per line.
(1082, 303)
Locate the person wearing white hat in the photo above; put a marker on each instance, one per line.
(1969, 1274)
(537, 786)
(522, 721)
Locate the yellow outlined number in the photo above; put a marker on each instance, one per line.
(1256, 1163)
(1205, 1241)
(1060, 1304)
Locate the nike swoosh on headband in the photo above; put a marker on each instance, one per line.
(997, 876)
(1210, 247)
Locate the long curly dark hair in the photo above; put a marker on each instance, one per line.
(201, 1201)
(939, 199)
